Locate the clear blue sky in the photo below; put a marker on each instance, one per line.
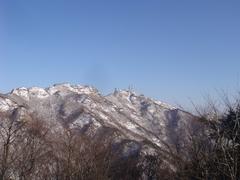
(171, 50)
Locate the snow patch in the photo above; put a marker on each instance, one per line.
(164, 105)
(38, 92)
(72, 88)
(6, 104)
(22, 92)
(126, 95)
(157, 142)
(103, 116)
(130, 126)
(81, 122)
(96, 124)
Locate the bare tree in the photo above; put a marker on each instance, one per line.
(214, 151)
(10, 135)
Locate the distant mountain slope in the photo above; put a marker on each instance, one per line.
(148, 123)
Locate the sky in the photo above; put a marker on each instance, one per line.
(176, 51)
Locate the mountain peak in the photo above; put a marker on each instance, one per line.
(75, 106)
(41, 93)
(150, 124)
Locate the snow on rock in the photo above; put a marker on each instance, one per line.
(125, 94)
(71, 88)
(130, 126)
(63, 88)
(157, 142)
(85, 89)
(26, 93)
(38, 92)
(137, 116)
(22, 92)
(165, 105)
(6, 104)
(103, 116)
(81, 122)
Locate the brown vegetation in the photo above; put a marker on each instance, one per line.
(29, 149)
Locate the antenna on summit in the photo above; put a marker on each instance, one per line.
(130, 88)
(115, 91)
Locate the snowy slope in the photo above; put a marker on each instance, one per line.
(83, 108)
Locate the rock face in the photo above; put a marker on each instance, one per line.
(146, 124)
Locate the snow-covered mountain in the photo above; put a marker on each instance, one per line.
(147, 123)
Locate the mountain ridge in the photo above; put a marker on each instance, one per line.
(151, 124)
